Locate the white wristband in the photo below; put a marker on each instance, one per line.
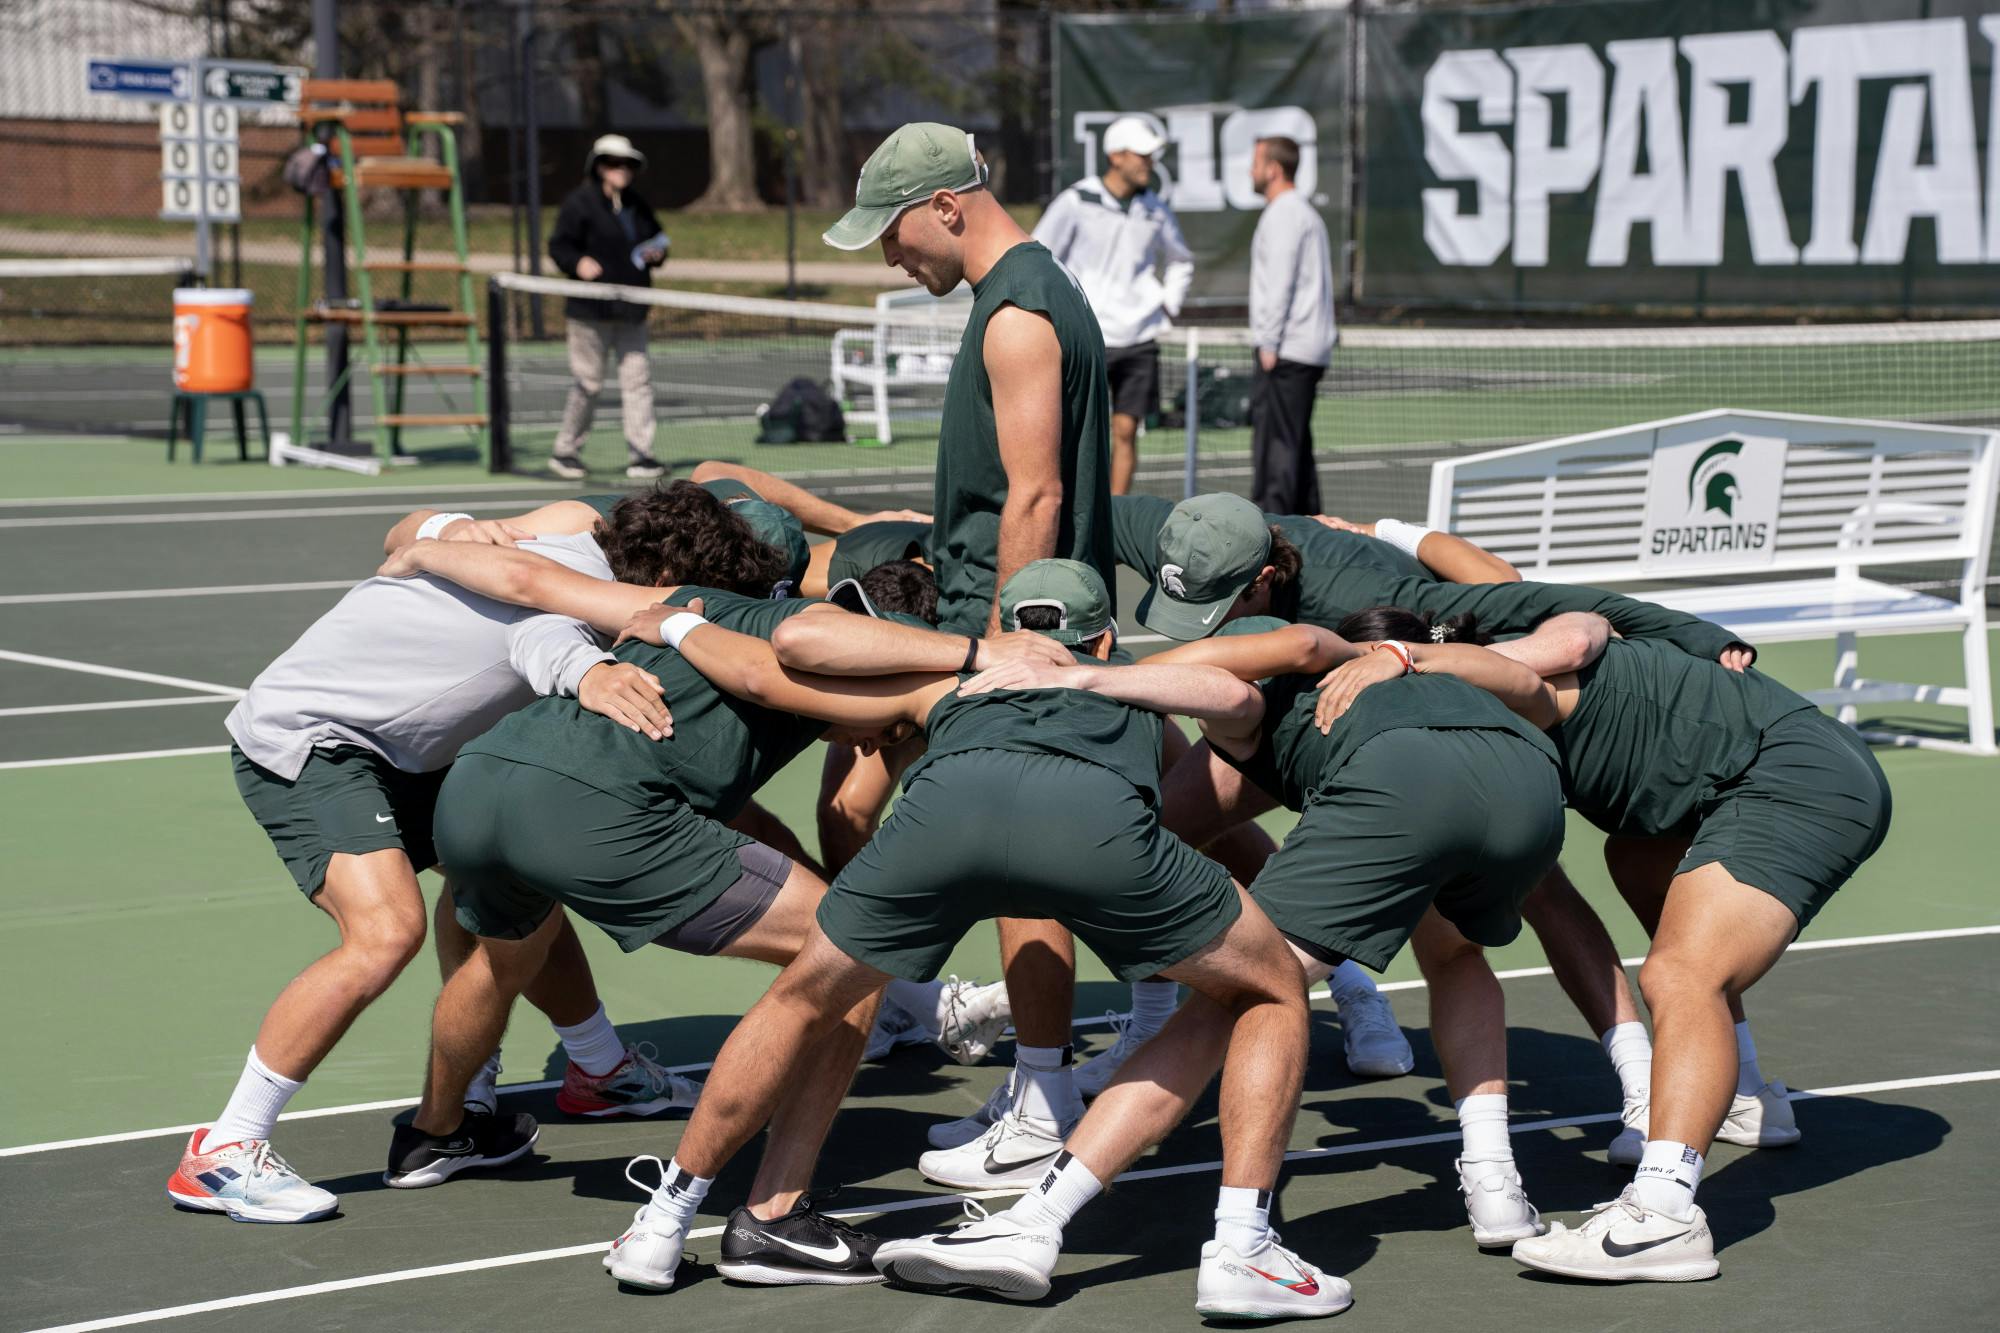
(1405, 537)
(433, 527)
(679, 625)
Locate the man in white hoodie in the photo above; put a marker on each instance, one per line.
(1123, 244)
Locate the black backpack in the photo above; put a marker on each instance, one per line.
(802, 413)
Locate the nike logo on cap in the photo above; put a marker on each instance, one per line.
(385, 819)
(836, 1253)
(1617, 1251)
(1212, 611)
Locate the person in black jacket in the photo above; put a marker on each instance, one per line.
(606, 232)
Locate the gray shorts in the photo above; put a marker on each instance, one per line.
(741, 906)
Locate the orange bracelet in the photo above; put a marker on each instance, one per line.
(1401, 651)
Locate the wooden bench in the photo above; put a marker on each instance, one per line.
(912, 345)
(1773, 524)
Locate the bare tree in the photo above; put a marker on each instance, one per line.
(815, 46)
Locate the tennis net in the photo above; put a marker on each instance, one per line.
(72, 358)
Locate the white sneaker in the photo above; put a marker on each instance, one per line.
(1497, 1204)
(1371, 1038)
(649, 1252)
(1762, 1120)
(1016, 1151)
(1095, 1074)
(248, 1181)
(1622, 1241)
(1270, 1283)
(970, 1018)
(1630, 1145)
(895, 1026)
(483, 1094)
(568, 467)
(988, 1252)
(957, 1133)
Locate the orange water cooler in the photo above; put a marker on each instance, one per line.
(212, 340)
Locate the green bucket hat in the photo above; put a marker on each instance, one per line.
(912, 164)
(1075, 590)
(1210, 549)
(777, 528)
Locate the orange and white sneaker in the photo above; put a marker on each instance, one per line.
(639, 1086)
(248, 1181)
(1269, 1283)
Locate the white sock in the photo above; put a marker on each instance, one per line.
(1667, 1175)
(1242, 1218)
(1350, 981)
(918, 999)
(254, 1107)
(593, 1045)
(1482, 1126)
(1631, 1052)
(1748, 1077)
(1153, 1003)
(680, 1194)
(1045, 1082)
(1068, 1186)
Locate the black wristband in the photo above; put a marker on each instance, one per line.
(971, 654)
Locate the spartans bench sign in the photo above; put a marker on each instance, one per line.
(1712, 501)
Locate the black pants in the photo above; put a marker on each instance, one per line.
(1284, 479)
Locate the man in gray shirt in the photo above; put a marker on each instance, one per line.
(1291, 320)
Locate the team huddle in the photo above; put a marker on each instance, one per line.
(571, 712)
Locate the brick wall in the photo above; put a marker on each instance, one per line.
(88, 169)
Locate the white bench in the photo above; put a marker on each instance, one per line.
(1768, 523)
(912, 344)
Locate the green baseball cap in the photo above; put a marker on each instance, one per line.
(1210, 549)
(1075, 590)
(777, 528)
(912, 164)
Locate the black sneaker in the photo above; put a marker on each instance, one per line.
(646, 469)
(568, 467)
(418, 1160)
(804, 1247)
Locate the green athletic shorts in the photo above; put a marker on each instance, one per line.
(991, 833)
(1812, 806)
(1466, 819)
(346, 799)
(516, 840)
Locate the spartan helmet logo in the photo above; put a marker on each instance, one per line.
(1170, 579)
(1711, 480)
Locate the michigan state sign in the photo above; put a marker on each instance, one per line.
(1712, 501)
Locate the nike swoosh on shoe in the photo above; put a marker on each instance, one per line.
(837, 1254)
(995, 1166)
(1304, 1286)
(1618, 1251)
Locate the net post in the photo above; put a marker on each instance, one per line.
(499, 444)
(1193, 414)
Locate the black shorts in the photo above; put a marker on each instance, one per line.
(1134, 373)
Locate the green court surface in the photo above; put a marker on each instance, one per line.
(146, 924)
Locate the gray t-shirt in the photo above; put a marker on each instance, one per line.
(414, 668)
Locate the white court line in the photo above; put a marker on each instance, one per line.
(929, 1201)
(120, 673)
(331, 492)
(114, 758)
(164, 702)
(227, 515)
(1508, 974)
(150, 594)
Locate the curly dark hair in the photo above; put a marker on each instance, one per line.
(681, 533)
(1394, 622)
(1284, 559)
(903, 586)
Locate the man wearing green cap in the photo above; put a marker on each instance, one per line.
(1065, 783)
(1023, 469)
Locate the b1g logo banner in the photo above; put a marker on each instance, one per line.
(1712, 501)
(1212, 87)
(1828, 153)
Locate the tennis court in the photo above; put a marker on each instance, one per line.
(148, 922)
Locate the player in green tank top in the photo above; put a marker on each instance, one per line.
(1758, 807)
(1045, 803)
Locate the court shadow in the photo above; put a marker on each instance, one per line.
(535, 1166)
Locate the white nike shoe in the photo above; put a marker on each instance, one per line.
(895, 1026)
(1269, 1283)
(958, 1133)
(1630, 1144)
(970, 1018)
(1624, 1241)
(1761, 1120)
(483, 1093)
(1095, 1074)
(1371, 1038)
(1497, 1204)
(1016, 1151)
(988, 1252)
(649, 1252)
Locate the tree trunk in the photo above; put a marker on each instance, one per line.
(722, 45)
(825, 178)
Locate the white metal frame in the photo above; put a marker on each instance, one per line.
(885, 352)
(1563, 510)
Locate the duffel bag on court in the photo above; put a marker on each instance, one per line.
(802, 413)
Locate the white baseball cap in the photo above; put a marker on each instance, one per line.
(1130, 134)
(618, 146)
